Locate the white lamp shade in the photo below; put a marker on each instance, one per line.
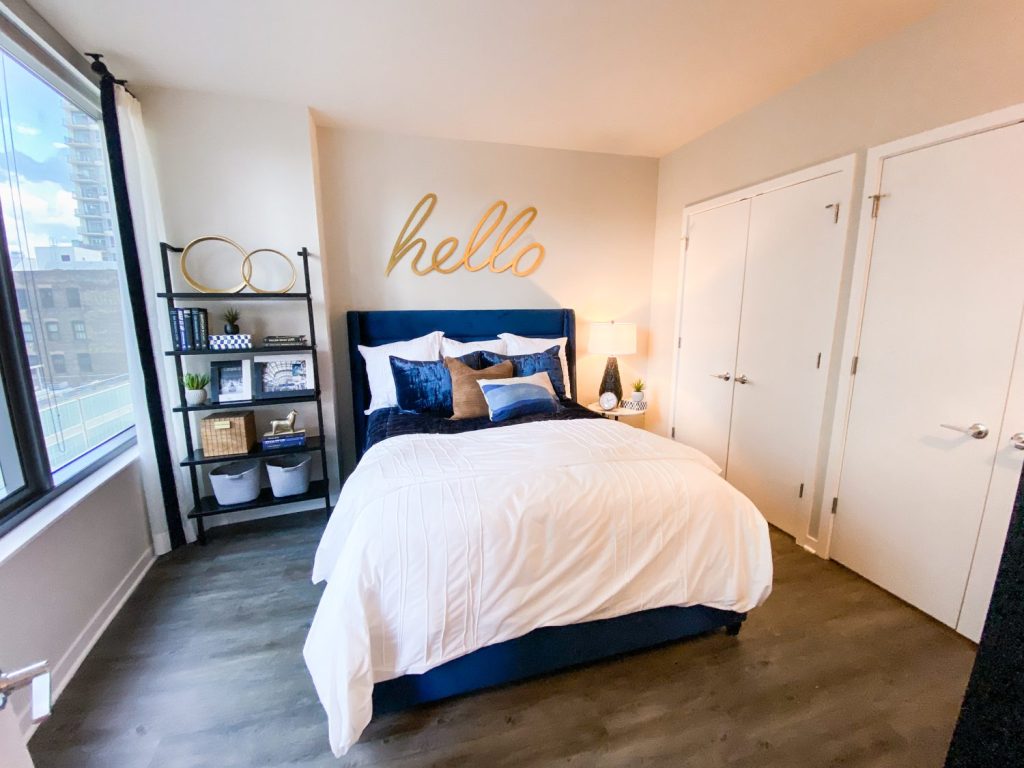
(612, 339)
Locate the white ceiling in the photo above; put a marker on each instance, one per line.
(637, 77)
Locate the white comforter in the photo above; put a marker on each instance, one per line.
(442, 544)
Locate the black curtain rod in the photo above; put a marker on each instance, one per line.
(104, 72)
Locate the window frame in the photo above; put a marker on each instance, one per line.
(40, 484)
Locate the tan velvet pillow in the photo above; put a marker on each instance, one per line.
(467, 398)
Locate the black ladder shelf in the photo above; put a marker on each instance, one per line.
(194, 459)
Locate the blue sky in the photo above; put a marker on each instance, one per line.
(32, 121)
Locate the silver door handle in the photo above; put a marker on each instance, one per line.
(742, 379)
(977, 430)
(1017, 440)
(723, 376)
(38, 677)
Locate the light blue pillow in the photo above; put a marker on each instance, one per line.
(522, 396)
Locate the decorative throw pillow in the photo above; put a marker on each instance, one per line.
(453, 348)
(425, 386)
(527, 365)
(522, 396)
(378, 365)
(525, 345)
(467, 399)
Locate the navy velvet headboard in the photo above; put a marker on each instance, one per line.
(372, 329)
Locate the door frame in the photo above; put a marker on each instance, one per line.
(876, 157)
(844, 164)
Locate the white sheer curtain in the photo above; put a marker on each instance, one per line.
(147, 216)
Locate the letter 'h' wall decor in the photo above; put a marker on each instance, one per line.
(520, 266)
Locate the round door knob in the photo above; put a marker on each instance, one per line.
(977, 430)
(723, 376)
(742, 379)
(1017, 440)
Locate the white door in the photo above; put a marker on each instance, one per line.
(998, 506)
(709, 325)
(794, 263)
(939, 331)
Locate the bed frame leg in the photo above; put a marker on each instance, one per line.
(733, 629)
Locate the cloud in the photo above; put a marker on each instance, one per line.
(48, 212)
(59, 145)
(26, 130)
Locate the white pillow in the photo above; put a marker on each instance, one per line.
(526, 345)
(378, 365)
(453, 348)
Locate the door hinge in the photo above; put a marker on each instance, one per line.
(818, 364)
(875, 201)
(835, 211)
(686, 243)
(835, 504)
(853, 367)
(673, 431)
(801, 494)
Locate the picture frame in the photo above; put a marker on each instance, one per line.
(231, 380)
(287, 375)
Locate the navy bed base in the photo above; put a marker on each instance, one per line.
(549, 649)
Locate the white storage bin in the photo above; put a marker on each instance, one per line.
(289, 475)
(237, 482)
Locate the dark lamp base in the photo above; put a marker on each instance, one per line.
(611, 382)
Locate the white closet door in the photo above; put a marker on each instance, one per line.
(712, 293)
(940, 326)
(794, 263)
(998, 506)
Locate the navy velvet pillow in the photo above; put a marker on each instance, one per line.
(527, 365)
(425, 386)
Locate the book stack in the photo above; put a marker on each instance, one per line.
(296, 439)
(190, 329)
(284, 342)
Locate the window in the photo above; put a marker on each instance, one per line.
(60, 418)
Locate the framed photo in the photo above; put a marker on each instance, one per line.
(231, 380)
(282, 376)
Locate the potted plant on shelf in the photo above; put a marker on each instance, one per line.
(231, 315)
(195, 387)
(638, 391)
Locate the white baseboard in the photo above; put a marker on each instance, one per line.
(64, 669)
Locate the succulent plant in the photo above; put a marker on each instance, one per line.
(195, 380)
(231, 315)
(638, 385)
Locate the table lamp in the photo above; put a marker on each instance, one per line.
(612, 339)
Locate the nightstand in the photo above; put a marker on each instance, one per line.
(614, 413)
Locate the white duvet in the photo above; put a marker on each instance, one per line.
(442, 544)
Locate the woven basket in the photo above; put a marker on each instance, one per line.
(228, 433)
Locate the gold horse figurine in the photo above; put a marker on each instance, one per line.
(283, 426)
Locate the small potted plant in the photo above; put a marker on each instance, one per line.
(231, 315)
(638, 391)
(195, 387)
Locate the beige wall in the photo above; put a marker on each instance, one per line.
(963, 61)
(60, 589)
(595, 220)
(244, 168)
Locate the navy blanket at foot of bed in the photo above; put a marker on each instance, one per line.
(389, 422)
(551, 648)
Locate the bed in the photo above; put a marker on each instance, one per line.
(464, 556)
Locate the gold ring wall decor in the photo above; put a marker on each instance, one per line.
(246, 268)
(247, 271)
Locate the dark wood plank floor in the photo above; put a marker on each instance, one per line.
(203, 667)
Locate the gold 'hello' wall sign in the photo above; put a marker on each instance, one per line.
(524, 262)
